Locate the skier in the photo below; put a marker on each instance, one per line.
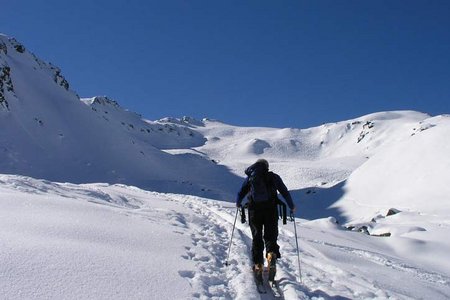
(261, 188)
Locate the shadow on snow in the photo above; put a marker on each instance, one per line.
(316, 202)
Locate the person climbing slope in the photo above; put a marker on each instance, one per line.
(261, 187)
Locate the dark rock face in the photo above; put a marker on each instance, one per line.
(5, 85)
(392, 211)
(3, 48)
(59, 79)
(19, 48)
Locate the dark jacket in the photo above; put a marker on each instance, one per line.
(276, 184)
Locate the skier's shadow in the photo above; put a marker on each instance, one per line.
(322, 295)
(315, 294)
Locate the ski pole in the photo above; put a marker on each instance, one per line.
(298, 252)
(231, 239)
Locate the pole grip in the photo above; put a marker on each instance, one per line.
(243, 217)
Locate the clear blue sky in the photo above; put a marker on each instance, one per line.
(273, 63)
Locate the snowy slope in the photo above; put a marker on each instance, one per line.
(411, 174)
(47, 132)
(304, 155)
(161, 135)
(89, 242)
(98, 241)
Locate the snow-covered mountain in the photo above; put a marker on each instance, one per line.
(383, 174)
(48, 132)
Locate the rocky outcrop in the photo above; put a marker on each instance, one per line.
(59, 79)
(392, 211)
(366, 130)
(105, 101)
(5, 86)
(17, 46)
(3, 48)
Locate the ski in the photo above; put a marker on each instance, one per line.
(261, 288)
(275, 288)
(258, 275)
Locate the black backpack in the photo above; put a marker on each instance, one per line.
(263, 192)
(260, 182)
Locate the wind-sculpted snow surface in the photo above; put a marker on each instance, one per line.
(99, 241)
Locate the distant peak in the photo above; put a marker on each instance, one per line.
(183, 121)
(398, 114)
(192, 121)
(101, 100)
(6, 41)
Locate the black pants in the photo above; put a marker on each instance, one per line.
(263, 223)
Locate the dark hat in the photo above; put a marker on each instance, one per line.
(263, 161)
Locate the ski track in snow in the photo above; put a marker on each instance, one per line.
(210, 239)
(209, 245)
(354, 283)
(236, 280)
(390, 262)
(322, 279)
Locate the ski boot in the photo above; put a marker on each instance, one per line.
(272, 265)
(258, 273)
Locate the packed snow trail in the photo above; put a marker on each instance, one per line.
(235, 281)
(336, 263)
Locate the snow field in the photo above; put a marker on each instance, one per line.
(80, 246)
(99, 241)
